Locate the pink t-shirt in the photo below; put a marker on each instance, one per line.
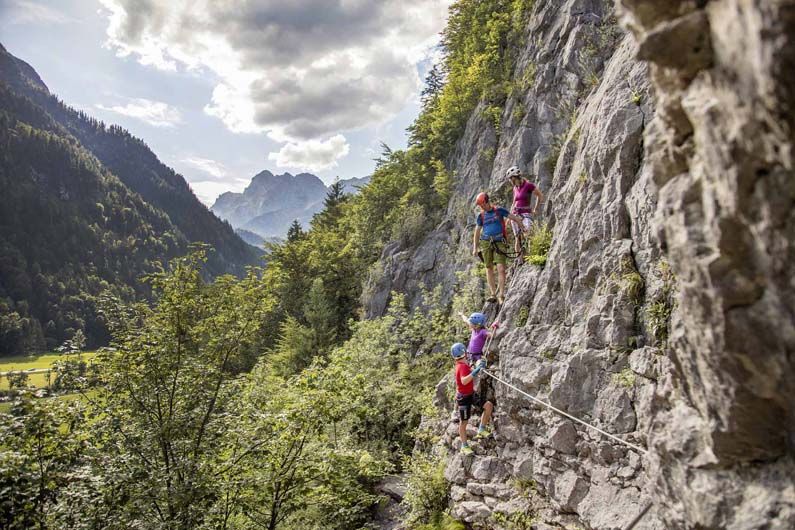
(477, 340)
(522, 195)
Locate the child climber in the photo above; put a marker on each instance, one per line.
(465, 396)
(479, 336)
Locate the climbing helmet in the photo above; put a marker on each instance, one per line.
(458, 350)
(512, 172)
(477, 319)
(482, 198)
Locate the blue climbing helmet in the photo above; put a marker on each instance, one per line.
(477, 319)
(458, 350)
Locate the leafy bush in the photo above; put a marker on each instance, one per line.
(412, 225)
(522, 316)
(17, 380)
(632, 283)
(658, 314)
(539, 261)
(493, 114)
(515, 520)
(442, 522)
(538, 243)
(427, 491)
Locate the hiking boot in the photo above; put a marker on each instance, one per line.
(483, 433)
(466, 450)
(491, 299)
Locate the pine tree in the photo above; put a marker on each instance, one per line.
(332, 206)
(295, 232)
(321, 315)
(434, 83)
(334, 196)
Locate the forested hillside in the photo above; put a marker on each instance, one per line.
(70, 231)
(138, 168)
(86, 209)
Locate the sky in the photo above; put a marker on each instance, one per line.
(223, 89)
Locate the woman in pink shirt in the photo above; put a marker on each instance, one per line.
(523, 191)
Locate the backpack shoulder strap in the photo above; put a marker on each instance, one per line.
(499, 216)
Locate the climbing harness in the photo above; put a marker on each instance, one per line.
(509, 254)
(566, 414)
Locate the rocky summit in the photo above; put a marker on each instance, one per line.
(270, 203)
(662, 136)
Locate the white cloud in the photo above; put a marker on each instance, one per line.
(312, 155)
(298, 70)
(207, 191)
(211, 167)
(25, 12)
(155, 113)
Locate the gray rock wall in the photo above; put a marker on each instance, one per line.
(721, 152)
(664, 314)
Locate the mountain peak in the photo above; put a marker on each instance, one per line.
(270, 203)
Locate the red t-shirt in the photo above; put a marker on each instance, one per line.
(462, 370)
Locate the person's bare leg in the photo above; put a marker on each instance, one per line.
(501, 281)
(485, 418)
(462, 432)
(490, 279)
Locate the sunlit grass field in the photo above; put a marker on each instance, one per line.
(37, 362)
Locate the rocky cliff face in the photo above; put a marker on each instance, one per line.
(270, 203)
(720, 151)
(664, 312)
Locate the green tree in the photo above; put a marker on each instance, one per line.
(301, 470)
(295, 232)
(332, 206)
(39, 447)
(169, 383)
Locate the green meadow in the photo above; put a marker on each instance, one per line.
(36, 362)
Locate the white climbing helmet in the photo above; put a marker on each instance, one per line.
(512, 172)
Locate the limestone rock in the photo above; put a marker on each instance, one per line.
(570, 489)
(563, 438)
(471, 511)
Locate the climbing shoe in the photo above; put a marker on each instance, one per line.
(466, 450)
(483, 433)
(491, 299)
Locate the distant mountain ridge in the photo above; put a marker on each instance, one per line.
(270, 203)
